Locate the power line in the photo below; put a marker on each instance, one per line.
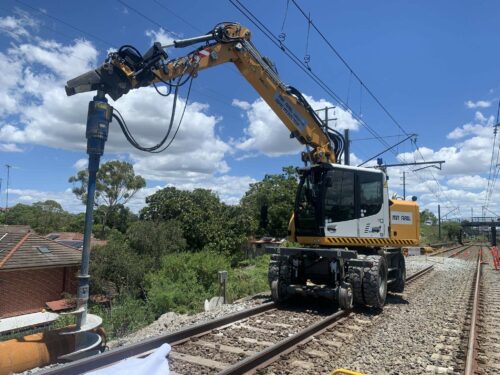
(351, 70)
(493, 170)
(265, 30)
(178, 17)
(276, 41)
(144, 16)
(297, 61)
(45, 14)
(358, 78)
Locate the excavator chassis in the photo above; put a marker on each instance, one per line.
(344, 276)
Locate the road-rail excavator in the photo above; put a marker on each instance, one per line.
(350, 232)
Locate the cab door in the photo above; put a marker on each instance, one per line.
(339, 204)
(373, 217)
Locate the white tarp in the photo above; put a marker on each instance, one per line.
(154, 364)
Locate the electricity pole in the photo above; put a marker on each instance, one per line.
(347, 147)
(404, 185)
(439, 221)
(7, 193)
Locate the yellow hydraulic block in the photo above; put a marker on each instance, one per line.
(343, 371)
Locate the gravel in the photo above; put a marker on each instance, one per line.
(405, 338)
(488, 356)
(171, 321)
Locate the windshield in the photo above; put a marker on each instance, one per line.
(339, 196)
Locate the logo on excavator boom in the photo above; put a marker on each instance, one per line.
(292, 114)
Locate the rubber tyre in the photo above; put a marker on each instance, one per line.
(398, 286)
(375, 282)
(356, 280)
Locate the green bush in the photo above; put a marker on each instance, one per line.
(249, 278)
(184, 281)
(126, 315)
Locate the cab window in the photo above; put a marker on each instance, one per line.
(339, 196)
(371, 193)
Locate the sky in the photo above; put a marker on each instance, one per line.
(432, 65)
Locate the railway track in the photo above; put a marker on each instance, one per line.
(457, 344)
(452, 251)
(241, 342)
(483, 348)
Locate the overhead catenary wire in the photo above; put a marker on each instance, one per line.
(358, 78)
(494, 162)
(265, 30)
(46, 14)
(137, 11)
(351, 70)
(297, 61)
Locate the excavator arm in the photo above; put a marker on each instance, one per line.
(126, 69)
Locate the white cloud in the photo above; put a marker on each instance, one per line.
(468, 182)
(19, 26)
(230, 189)
(267, 134)
(9, 147)
(81, 164)
(49, 118)
(160, 35)
(479, 104)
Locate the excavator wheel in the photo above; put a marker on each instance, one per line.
(398, 286)
(375, 282)
(356, 280)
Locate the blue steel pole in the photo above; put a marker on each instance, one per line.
(98, 119)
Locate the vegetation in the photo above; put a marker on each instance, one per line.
(116, 184)
(167, 258)
(43, 217)
(270, 202)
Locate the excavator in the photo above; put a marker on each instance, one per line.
(351, 235)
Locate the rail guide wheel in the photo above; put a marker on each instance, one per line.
(345, 296)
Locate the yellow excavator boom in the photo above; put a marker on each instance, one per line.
(228, 42)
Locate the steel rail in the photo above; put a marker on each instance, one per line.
(470, 359)
(447, 250)
(418, 274)
(467, 247)
(143, 348)
(272, 353)
(252, 363)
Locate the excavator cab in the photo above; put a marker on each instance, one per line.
(341, 202)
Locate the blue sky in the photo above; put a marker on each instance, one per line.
(434, 65)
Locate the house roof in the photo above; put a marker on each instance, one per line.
(25, 249)
(65, 236)
(73, 239)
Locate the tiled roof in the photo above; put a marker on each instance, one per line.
(65, 236)
(25, 249)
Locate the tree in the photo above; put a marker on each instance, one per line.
(118, 264)
(427, 215)
(152, 240)
(452, 229)
(44, 217)
(270, 202)
(207, 223)
(116, 184)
